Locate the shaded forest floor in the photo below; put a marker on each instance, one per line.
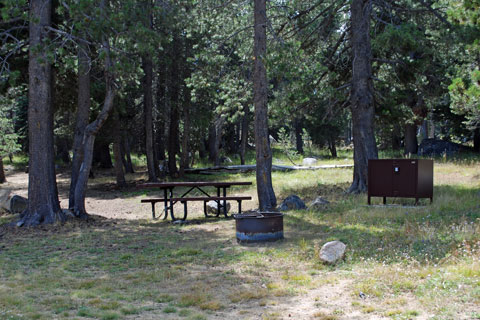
(408, 262)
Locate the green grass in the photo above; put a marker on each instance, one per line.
(408, 261)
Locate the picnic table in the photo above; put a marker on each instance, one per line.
(169, 200)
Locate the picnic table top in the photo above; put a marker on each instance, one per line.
(164, 185)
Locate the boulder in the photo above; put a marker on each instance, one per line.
(292, 202)
(212, 207)
(332, 251)
(225, 160)
(308, 162)
(318, 204)
(5, 198)
(433, 147)
(18, 204)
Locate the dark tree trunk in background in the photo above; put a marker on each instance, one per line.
(231, 145)
(43, 204)
(63, 153)
(184, 156)
(411, 143)
(218, 139)
(127, 152)
(361, 98)
(81, 121)
(148, 112)
(117, 153)
(162, 109)
(102, 154)
(266, 196)
(332, 147)
(173, 140)
(298, 135)
(476, 140)
(396, 137)
(244, 137)
(2, 171)
(211, 143)
(91, 131)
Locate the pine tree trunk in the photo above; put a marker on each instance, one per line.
(3, 179)
(81, 121)
(244, 138)
(266, 196)
(102, 155)
(218, 139)
(211, 143)
(127, 151)
(43, 204)
(332, 147)
(184, 159)
(298, 136)
(411, 143)
(148, 109)
(117, 142)
(362, 100)
(90, 133)
(476, 140)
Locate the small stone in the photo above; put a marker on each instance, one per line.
(332, 251)
(18, 204)
(212, 207)
(318, 204)
(292, 202)
(309, 161)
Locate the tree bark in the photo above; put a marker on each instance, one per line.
(219, 122)
(211, 143)
(81, 121)
(117, 142)
(101, 154)
(411, 143)
(184, 159)
(3, 179)
(127, 151)
(244, 137)
(332, 146)
(90, 133)
(43, 204)
(298, 135)
(148, 110)
(476, 140)
(266, 196)
(361, 98)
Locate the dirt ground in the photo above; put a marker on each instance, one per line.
(106, 200)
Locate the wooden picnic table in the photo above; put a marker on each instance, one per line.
(169, 200)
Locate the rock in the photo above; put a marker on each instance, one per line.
(68, 213)
(5, 198)
(332, 251)
(309, 162)
(18, 204)
(225, 160)
(212, 206)
(433, 147)
(292, 202)
(318, 204)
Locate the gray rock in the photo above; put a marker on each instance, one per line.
(212, 207)
(433, 147)
(18, 204)
(292, 202)
(309, 161)
(332, 251)
(225, 160)
(318, 204)
(5, 198)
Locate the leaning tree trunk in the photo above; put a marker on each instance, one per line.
(361, 99)
(411, 143)
(266, 196)
(83, 114)
(2, 172)
(89, 136)
(43, 204)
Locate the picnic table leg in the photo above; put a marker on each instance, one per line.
(239, 206)
(205, 208)
(165, 203)
(171, 204)
(225, 202)
(153, 210)
(218, 202)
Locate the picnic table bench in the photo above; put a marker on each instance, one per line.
(169, 200)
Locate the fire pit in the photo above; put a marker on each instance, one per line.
(259, 226)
